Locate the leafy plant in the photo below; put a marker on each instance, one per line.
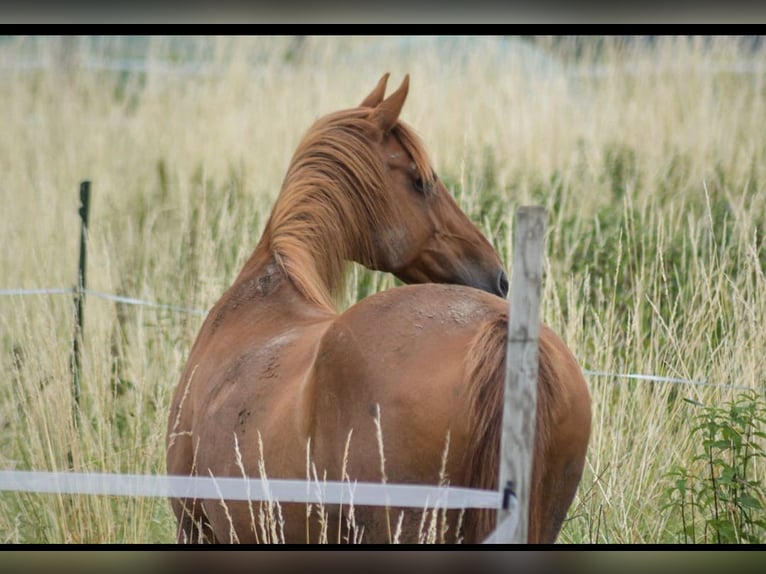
(719, 498)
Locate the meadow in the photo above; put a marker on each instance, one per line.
(648, 156)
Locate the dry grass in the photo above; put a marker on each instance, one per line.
(651, 170)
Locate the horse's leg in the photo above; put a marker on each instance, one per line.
(193, 525)
(565, 465)
(564, 485)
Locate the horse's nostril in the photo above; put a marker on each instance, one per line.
(502, 284)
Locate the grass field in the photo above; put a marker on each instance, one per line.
(649, 157)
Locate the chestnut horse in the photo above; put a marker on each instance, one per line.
(278, 378)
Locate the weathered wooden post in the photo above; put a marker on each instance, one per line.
(520, 406)
(79, 300)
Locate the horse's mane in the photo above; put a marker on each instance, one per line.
(332, 199)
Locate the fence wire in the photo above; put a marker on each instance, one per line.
(105, 296)
(190, 310)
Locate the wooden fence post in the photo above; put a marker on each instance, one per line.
(79, 300)
(520, 405)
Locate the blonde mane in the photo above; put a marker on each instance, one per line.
(332, 200)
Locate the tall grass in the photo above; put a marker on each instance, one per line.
(648, 156)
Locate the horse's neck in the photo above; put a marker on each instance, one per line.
(313, 279)
(263, 288)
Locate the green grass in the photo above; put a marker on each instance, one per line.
(652, 174)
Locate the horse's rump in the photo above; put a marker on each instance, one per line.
(399, 356)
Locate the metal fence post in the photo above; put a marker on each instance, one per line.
(79, 300)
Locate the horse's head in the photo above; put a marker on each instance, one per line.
(430, 240)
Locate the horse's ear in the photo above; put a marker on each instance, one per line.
(387, 112)
(376, 95)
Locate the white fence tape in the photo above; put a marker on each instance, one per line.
(282, 490)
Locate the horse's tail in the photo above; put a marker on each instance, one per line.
(485, 369)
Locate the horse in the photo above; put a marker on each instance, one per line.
(405, 385)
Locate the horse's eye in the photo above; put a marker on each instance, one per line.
(421, 186)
